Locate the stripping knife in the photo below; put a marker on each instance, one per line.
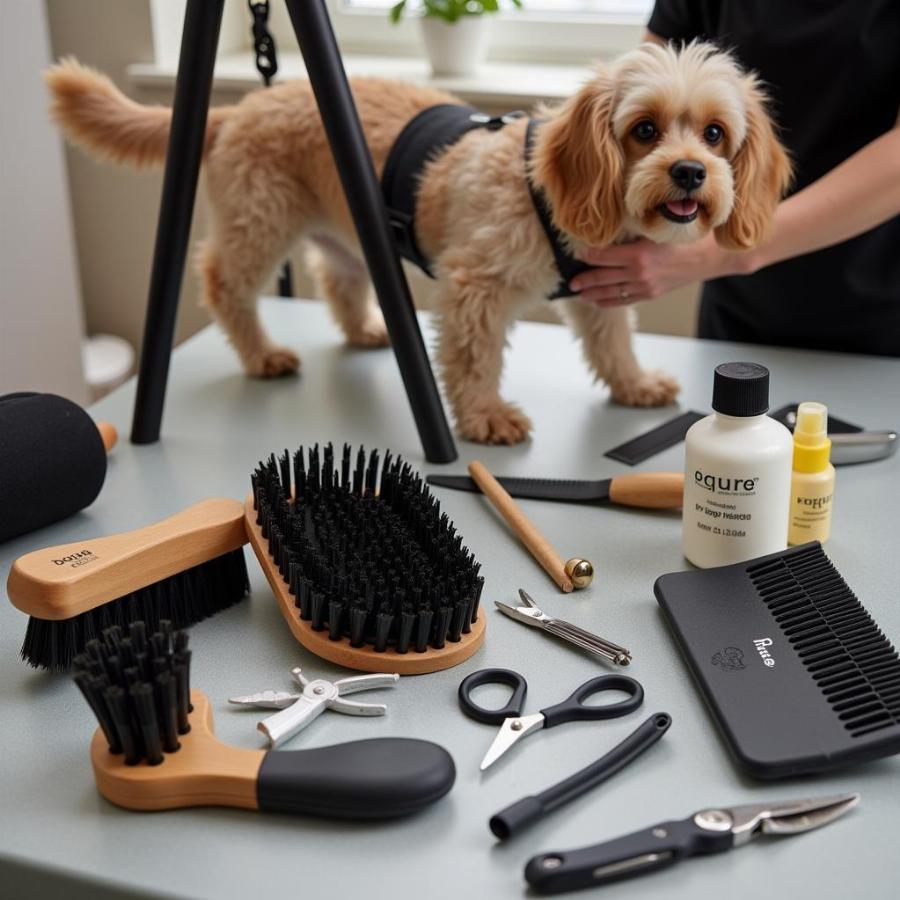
(646, 490)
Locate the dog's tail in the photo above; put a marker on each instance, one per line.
(95, 114)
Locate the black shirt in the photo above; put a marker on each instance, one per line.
(832, 71)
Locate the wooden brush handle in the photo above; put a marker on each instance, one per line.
(539, 547)
(108, 434)
(380, 778)
(61, 582)
(648, 490)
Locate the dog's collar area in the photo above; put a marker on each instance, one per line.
(425, 137)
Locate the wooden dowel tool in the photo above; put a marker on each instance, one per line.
(575, 573)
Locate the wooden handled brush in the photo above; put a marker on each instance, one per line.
(155, 747)
(185, 568)
(367, 571)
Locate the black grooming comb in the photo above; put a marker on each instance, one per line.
(368, 558)
(796, 672)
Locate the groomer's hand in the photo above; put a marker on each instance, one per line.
(643, 270)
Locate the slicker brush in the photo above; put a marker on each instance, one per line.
(367, 570)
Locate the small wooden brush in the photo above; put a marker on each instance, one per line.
(182, 569)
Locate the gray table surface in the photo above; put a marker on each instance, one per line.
(58, 836)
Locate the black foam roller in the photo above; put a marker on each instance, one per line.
(52, 461)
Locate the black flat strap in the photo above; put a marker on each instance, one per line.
(567, 265)
(422, 139)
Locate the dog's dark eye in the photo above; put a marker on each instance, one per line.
(713, 134)
(644, 131)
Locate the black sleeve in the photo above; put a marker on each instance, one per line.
(678, 20)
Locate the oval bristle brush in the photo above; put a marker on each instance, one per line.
(367, 571)
(155, 747)
(182, 569)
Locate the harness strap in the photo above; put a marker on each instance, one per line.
(424, 138)
(567, 265)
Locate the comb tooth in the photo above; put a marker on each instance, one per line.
(834, 636)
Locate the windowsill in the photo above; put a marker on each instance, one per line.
(505, 84)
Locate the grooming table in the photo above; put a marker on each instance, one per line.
(59, 837)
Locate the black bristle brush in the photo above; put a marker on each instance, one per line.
(367, 570)
(182, 569)
(155, 747)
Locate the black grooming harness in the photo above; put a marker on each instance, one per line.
(422, 140)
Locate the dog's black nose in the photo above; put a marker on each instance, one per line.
(688, 174)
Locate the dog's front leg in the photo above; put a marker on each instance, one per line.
(474, 316)
(606, 341)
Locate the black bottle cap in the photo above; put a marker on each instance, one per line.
(741, 389)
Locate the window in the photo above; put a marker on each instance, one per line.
(560, 31)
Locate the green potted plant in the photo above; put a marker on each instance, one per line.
(455, 32)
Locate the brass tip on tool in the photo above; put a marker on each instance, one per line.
(580, 572)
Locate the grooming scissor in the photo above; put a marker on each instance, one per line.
(298, 710)
(707, 831)
(530, 614)
(514, 726)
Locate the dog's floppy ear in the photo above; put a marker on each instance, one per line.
(762, 174)
(579, 165)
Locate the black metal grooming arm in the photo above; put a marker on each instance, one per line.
(345, 135)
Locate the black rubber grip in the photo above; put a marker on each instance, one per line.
(518, 816)
(375, 779)
(625, 857)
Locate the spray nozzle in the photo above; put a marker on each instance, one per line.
(811, 429)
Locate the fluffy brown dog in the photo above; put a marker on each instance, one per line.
(665, 143)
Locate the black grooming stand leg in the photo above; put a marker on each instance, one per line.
(202, 19)
(354, 164)
(357, 173)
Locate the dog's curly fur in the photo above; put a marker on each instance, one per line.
(272, 180)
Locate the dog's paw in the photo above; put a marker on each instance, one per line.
(371, 333)
(649, 389)
(500, 424)
(273, 362)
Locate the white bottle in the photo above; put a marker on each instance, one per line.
(737, 478)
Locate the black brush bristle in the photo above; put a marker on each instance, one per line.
(141, 708)
(367, 556)
(182, 600)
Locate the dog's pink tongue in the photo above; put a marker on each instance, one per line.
(682, 207)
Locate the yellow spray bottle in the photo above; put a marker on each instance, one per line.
(812, 480)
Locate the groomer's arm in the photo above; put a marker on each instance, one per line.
(854, 197)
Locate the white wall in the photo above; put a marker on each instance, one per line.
(41, 324)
